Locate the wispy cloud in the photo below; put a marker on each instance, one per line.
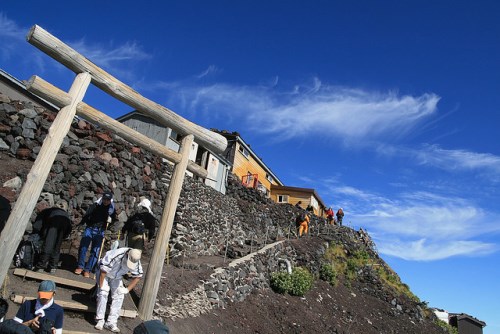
(425, 226)
(9, 29)
(458, 160)
(114, 59)
(423, 250)
(212, 69)
(351, 114)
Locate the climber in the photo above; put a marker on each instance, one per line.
(302, 222)
(140, 227)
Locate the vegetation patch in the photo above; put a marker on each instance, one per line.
(446, 327)
(327, 273)
(392, 280)
(297, 283)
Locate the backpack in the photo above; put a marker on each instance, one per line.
(27, 252)
(137, 226)
(300, 218)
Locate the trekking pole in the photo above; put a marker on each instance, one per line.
(102, 245)
(116, 243)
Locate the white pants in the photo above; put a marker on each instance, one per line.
(116, 300)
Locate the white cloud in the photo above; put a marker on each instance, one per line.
(10, 29)
(457, 159)
(212, 69)
(422, 250)
(420, 225)
(114, 59)
(353, 115)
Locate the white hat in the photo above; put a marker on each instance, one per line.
(134, 256)
(145, 203)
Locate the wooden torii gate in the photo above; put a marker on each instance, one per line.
(71, 104)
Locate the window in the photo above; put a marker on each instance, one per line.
(244, 151)
(174, 135)
(269, 178)
(261, 188)
(282, 198)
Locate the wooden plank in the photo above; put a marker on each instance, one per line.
(25, 203)
(154, 271)
(70, 58)
(58, 280)
(60, 98)
(74, 306)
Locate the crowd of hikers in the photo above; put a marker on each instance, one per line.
(41, 250)
(302, 219)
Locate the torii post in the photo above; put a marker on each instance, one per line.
(21, 213)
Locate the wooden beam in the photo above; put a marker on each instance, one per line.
(70, 58)
(59, 280)
(25, 203)
(60, 98)
(153, 276)
(74, 306)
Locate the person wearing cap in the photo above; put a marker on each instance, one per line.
(42, 315)
(112, 267)
(55, 227)
(140, 227)
(96, 219)
(340, 216)
(151, 327)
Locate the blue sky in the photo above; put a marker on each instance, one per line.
(388, 109)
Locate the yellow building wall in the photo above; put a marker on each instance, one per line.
(242, 165)
(294, 197)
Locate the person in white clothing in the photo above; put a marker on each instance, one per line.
(112, 267)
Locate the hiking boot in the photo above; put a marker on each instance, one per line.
(86, 274)
(53, 270)
(100, 325)
(78, 271)
(112, 327)
(40, 270)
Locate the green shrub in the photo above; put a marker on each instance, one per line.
(446, 327)
(327, 273)
(296, 284)
(302, 281)
(281, 282)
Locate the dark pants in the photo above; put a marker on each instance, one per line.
(92, 236)
(51, 249)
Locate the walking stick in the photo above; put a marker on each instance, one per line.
(102, 244)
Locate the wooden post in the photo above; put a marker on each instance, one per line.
(153, 275)
(60, 98)
(21, 213)
(67, 56)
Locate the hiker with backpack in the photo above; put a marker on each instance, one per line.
(55, 226)
(329, 216)
(96, 219)
(140, 227)
(112, 267)
(302, 222)
(340, 216)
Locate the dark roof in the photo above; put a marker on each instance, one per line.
(20, 87)
(461, 316)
